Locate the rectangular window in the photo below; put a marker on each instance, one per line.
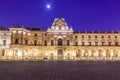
(35, 42)
(89, 43)
(115, 36)
(45, 43)
(116, 43)
(76, 36)
(16, 41)
(82, 36)
(3, 52)
(102, 43)
(96, 43)
(109, 43)
(35, 34)
(26, 42)
(52, 42)
(95, 36)
(108, 36)
(83, 43)
(102, 36)
(76, 43)
(16, 32)
(68, 42)
(89, 36)
(45, 34)
(4, 42)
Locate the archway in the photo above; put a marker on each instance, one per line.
(78, 54)
(107, 54)
(100, 53)
(93, 53)
(51, 56)
(60, 54)
(115, 54)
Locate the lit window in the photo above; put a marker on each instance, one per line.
(14, 32)
(25, 33)
(19, 32)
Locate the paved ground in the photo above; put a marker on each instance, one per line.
(59, 70)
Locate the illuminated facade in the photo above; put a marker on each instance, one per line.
(59, 42)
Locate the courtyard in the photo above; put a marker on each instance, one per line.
(59, 70)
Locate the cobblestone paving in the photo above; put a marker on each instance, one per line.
(59, 70)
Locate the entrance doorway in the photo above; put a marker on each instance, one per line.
(60, 54)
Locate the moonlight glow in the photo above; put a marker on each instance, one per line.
(48, 6)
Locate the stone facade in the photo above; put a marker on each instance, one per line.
(59, 42)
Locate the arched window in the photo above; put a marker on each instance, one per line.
(35, 42)
(3, 52)
(60, 42)
(60, 52)
(16, 41)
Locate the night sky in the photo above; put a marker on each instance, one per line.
(80, 14)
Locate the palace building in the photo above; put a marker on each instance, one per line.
(59, 42)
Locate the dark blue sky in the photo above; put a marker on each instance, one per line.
(80, 14)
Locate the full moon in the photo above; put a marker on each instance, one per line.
(48, 6)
